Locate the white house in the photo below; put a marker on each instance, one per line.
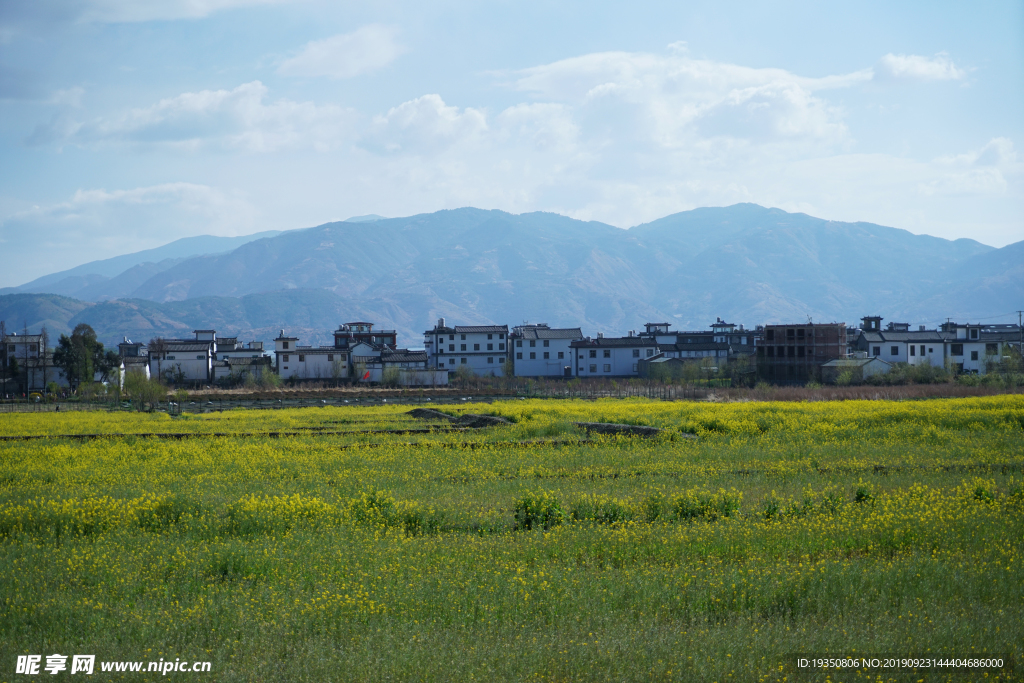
(184, 360)
(539, 351)
(968, 348)
(309, 362)
(612, 356)
(481, 348)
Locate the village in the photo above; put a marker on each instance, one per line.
(784, 354)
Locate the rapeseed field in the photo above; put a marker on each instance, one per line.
(348, 543)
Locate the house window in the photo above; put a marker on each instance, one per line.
(991, 349)
(974, 334)
(501, 347)
(894, 350)
(799, 352)
(519, 355)
(593, 353)
(771, 351)
(330, 358)
(490, 359)
(790, 334)
(635, 366)
(451, 337)
(501, 335)
(285, 357)
(490, 347)
(200, 357)
(533, 343)
(974, 355)
(462, 347)
(930, 350)
(791, 351)
(463, 337)
(800, 335)
(476, 347)
(636, 353)
(650, 352)
(769, 335)
(451, 361)
(519, 343)
(547, 355)
(912, 349)
(607, 367)
(490, 336)
(533, 355)
(561, 354)
(956, 349)
(547, 343)
(302, 358)
(593, 367)
(463, 361)
(284, 345)
(607, 353)
(451, 347)
(876, 351)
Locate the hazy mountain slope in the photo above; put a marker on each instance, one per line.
(342, 257)
(36, 310)
(985, 285)
(64, 281)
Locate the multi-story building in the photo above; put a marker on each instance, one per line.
(134, 358)
(310, 362)
(971, 348)
(481, 348)
(184, 360)
(795, 353)
(612, 356)
(27, 365)
(540, 351)
(350, 334)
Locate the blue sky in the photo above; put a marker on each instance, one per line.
(128, 124)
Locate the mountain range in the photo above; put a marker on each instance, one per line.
(744, 263)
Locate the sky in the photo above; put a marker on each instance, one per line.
(125, 125)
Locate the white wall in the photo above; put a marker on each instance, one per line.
(553, 366)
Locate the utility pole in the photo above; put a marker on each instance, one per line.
(1020, 332)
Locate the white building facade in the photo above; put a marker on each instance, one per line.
(612, 356)
(539, 351)
(481, 348)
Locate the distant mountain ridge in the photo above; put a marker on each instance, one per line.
(745, 263)
(120, 275)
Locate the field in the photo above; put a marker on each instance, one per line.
(345, 543)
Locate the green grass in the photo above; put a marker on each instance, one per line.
(869, 528)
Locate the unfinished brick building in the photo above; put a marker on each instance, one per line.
(795, 353)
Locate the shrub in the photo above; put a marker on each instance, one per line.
(701, 504)
(538, 510)
(599, 509)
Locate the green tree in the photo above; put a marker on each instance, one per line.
(81, 356)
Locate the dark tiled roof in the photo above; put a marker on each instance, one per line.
(468, 329)
(614, 342)
(404, 356)
(171, 346)
(546, 333)
(709, 346)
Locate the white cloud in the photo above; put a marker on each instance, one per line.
(97, 224)
(233, 119)
(978, 172)
(673, 101)
(425, 125)
(915, 67)
(344, 56)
